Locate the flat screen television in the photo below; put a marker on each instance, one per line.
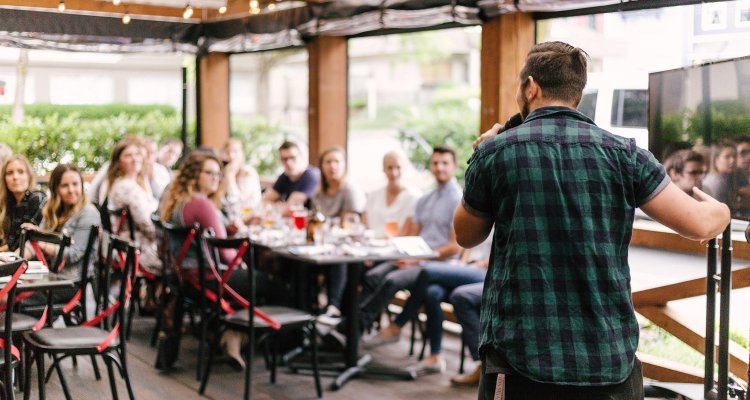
(706, 109)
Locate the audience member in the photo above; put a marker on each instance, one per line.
(195, 197)
(299, 181)
(127, 187)
(388, 208)
(719, 183)
(337, 198)
(67, 211)
(169, 152)
(19, 202)
(436, 281)
(686, 168)
(241, 181)
(432, 221)
(158, 175)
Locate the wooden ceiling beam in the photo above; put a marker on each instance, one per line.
(94, 6)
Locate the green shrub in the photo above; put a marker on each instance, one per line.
(449, 120)
(87, 143)
(261, 141)
(89, 111)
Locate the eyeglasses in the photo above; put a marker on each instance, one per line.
(213, 174)
(697, 172)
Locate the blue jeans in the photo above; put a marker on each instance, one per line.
(467, 300)
(435, 282)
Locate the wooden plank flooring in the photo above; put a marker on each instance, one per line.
(225, 383)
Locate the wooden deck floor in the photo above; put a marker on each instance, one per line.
(150, 384)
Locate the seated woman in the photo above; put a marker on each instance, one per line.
(67, 211)
(241, 181)
(436, 282)
(720, 181)
(336, 198)
(388, 209)
(195, 197)
(18, 203)
(127, 186)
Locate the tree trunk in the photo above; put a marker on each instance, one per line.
(22, 70)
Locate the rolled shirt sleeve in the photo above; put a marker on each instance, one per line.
(476, 199)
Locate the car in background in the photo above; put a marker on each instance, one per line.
(618, 104)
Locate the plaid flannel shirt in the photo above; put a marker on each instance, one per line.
(562, 194)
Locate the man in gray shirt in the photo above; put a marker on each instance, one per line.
(432, 221)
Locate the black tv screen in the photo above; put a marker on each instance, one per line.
(705, 110)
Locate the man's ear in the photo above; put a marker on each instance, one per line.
(533, 90)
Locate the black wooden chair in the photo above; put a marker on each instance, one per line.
(102, 335)
(11, 355)
(268, 321)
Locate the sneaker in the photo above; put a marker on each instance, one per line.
(434, 368)
(379, 339)
(470, 379)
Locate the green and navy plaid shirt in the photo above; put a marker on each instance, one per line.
(562, 194)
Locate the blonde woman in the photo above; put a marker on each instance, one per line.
(18, 203)
(67, 211)
(127, 186)
(241, 181)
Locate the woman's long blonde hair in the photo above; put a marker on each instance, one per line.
(6, 197)
(185, 184)
(55, 212)
(114, 172)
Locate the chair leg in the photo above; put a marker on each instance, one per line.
(63, 381)
(39, 357)
(126, 376)
(207, 367)
(274, 350)
(413, 336)
(463, 355)
(95, 366)
(314, 346)
(27, 372)
(111, 374)
(131, 309)
(423, 333)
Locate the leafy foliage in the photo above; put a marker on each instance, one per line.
(89, 111)
(261, 141)
(450, 119)
(53, 139)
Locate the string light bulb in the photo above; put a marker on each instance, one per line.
(116, 2)
(255, 10)
(253, 3)
(188, 11)
(126, 17)
(272, 6)
(222, 9)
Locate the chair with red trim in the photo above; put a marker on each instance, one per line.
(95, 336)
(11, 356)
(182, 243)
(268, 321)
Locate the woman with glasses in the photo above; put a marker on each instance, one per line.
(195, 196)
(19, 202)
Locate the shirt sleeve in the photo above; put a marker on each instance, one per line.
(650, 178)
(478, 188)
(79, 233)
(201, 210)
(354, 200)
(310, 182)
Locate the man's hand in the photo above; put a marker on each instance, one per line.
(490, 133)
(407, 263)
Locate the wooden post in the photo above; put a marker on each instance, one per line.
(213, 99)
(327, 108)
(505, 41)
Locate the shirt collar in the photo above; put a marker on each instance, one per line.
(557, 111)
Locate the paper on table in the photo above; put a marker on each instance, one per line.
(412, 245)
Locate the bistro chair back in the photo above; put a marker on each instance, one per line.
(268, 321)
(10, 272)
